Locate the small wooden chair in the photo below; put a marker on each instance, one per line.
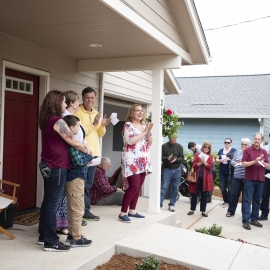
(7, 200)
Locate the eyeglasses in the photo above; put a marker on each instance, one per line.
(227, 142)
(244, 144)
(206, 147)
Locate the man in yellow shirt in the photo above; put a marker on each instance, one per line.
(94, 129)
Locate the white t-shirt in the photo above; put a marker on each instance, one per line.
(79, 136)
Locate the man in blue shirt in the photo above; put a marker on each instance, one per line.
(266, 190)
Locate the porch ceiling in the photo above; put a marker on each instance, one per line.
(68, 27)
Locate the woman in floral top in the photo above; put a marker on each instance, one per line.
(135, 163)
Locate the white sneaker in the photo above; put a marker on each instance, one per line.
(171, 208)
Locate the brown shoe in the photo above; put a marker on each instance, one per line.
(246, 226)
(256, 223)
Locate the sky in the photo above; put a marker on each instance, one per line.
(242, 49)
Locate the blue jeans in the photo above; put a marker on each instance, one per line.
(54, 183)
(199, 188)
(88, 184)
(252, 192)
(169, 175)
(224, 182)
(236, 188)
(265, 196)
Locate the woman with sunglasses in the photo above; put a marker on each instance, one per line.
(224, 157)
(237, 184)
(202, 164)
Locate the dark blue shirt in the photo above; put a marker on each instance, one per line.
(201, 171)
(225, 168)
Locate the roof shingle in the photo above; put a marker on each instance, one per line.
(241, 96)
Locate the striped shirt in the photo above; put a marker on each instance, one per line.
(239, 171)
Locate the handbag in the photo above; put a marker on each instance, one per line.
(191, 177)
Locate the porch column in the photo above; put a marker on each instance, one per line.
(157, 110)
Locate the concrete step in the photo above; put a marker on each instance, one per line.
(192, 249)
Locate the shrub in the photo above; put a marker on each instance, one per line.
(213, 230)
(216, 180)
(188, 157)
(148, 263)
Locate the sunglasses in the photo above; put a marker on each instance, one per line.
(227, 142)
(206, 147)
(244, 144)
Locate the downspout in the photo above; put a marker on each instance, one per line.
(260, 120)
(101, 103)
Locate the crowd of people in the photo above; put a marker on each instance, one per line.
(72, 183)
(245, 171)
(70, 141)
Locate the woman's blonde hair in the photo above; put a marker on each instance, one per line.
(207, 144)
(130, 115)
(71, 96)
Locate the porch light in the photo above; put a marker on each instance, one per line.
(95, 45)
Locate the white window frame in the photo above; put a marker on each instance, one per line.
(19, 80)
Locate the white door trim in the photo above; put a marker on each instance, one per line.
(44, 88)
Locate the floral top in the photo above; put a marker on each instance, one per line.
(136, 157)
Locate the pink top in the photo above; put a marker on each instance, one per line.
(54, 148)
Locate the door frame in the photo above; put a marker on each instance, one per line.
(44, 88)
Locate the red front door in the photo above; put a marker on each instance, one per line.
(20, 137)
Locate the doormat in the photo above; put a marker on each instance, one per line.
(28, 219)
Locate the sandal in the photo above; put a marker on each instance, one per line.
(63, 231)
(190, 213)
(204, 214)
(229, 214)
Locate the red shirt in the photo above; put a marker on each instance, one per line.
(101, 187)
(54, 148)
(255, 171)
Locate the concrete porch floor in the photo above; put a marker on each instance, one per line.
(111, 236)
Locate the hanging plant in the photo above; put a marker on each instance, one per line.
(171, 122)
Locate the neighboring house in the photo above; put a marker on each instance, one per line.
(217, 107)
(124, 49)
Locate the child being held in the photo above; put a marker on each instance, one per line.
(75, 188)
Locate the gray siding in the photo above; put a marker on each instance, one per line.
(216, 130)
(266, 124)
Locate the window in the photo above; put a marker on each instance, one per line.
(19, 85)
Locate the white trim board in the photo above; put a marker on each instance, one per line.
(130, 63)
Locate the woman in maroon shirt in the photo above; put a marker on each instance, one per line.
(53, 165)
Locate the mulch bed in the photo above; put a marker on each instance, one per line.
(217, 192)
(126, 262)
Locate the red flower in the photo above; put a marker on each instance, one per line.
(169, 112)
(133, 168)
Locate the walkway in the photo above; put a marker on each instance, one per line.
(152, 235)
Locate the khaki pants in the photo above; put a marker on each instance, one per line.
(75, 206)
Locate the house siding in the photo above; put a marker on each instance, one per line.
(133, 86)
(63, 70)
(215, 131)
(266, 125)
(63, 77)
(157, 12)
